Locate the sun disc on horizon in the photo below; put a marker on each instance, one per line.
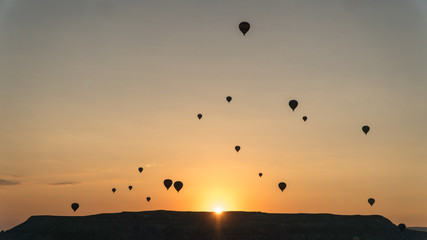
(218, 210)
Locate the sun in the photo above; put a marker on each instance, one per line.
(218, 210)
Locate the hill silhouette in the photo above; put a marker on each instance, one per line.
(421, 229)
(208, 225)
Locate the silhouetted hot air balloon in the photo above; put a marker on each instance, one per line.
(114, 190)
(237, 148)
(130, 187)
(244, 27)
(228, 99)
(178, 185)
(75, 206)
(260, 174)
(402, 227)
(148, 199)
(140, 169)
(371, 201)
(293, 104)
(304, 118)
(167, 183)
(366, 129)
(199, 116)
(282, 186)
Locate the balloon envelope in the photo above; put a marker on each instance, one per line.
(140, 169)
(282, 186)
(74, 206)
(402, 227)
(366, 129)
(148, 199)
(260, 174)
(304, 118)
(130, 187)
(178, 185)
(244, 27)
(167, 183)
(371, 201)
(199, 116)
(293, 104)
(237, 148)
(228, 99)
(114, 190)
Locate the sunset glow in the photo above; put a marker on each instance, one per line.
(91, 91)
(218, 210)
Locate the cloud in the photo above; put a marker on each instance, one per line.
(153, 165)
(5, 182)
(64, 183)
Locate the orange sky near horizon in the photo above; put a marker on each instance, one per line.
(90, 91)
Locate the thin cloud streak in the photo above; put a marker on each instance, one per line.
(64, 183)
(5, 182)
(153, 165)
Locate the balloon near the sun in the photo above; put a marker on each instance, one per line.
(218, 210)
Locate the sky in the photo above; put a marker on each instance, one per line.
(92, 90)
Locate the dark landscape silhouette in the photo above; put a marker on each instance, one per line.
(209, 225)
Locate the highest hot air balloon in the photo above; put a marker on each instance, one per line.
(178, 185)
(366, 129)
(228, 99)
(244, 27)
(167, 183)
(293, 104)
(114, 190)
(282, 186)
(140, 169)
(371, 201)
(402, 227)
(130, 187)
(304, 118)
(260, 174)
(237, 148)
(199, 116)
(74, 206)
(148, 199)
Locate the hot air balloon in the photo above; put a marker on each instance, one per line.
(114, 190)
(130, 187)
(371, 201)
(366, 129)
(282, 186)
(293, 104)
(304, 118)
(199, 116)
(74, 206)
(178, 185)
(244, 27)
(167, 183)
(148, 199)
(237, 148)
(140, 169)
(402, 227)
(260, 174)
(228, 99)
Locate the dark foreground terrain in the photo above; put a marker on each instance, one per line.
(207, 225)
